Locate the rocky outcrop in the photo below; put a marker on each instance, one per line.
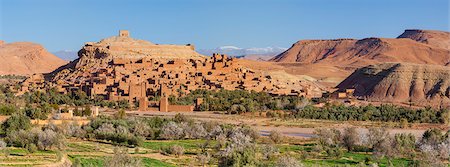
(96, 55)
(25, 58)
(401, 82)
(122, 68)
(439, 39)
(422, 47)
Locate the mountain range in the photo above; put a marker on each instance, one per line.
(264, 53)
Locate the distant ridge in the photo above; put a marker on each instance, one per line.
(25, 58)
(413, 46)
(401, 82)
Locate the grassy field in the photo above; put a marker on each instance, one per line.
(90, 153)
(21, 157)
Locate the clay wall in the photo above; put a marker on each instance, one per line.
(180, 108)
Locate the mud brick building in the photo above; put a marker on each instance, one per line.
(123, 68)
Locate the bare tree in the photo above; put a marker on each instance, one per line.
(171, 131)
(198, 131)
(376, 135)
(121, 158)
(48, 138)
(328, 136)
(350, 138)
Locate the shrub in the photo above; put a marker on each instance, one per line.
(204, 158)
(404, 144)
(432, 136)
(240, 149)
(171, 131)
(328, 137)
(334, 151)
(77, 112)
(2, 145)
(87, 111)
(141, 129)
(32, 148)
(121, 158)
(178, 118)
(123, 104)
(276, 137)
(269, 151)
(197, 131)
(403, 123)
(16, 122)
(7, 109)
(176, 150)
(376, 135)
(350, 138)
(287, 161)
(121, 114)
(48, 138)
(384, 148)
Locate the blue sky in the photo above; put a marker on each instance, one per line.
(67, 24)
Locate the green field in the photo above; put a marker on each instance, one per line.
(91, 153)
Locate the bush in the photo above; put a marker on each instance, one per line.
(240, 149)
(176, 150)
(276, 137)
(77, 112)
(287, 161)
(48, 138)
(121, 114)
(197, 131)
(2, 145)
(350, 138)
(7, 109)
(269, 151)
(87, 111)
(404, 144)
(376, 135)
(432, 136)
(16, 122)
(121, 158)
(32, 148)
(204, 158)
(328, 137)
(171, 131)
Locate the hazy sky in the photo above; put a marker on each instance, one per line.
(67, 24)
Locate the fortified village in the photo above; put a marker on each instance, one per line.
(123, 68)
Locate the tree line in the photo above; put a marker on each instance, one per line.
(432, 149)
(384, 113)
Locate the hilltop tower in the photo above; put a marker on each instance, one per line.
(124, 33)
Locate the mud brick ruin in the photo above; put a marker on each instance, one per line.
(123, 68)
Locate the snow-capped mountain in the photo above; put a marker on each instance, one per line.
(258, 53)
(67, 55)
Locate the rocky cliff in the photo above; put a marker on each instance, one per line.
(401, 82)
